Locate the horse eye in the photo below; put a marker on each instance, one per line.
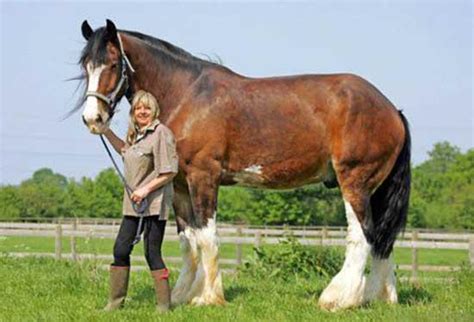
(114, 66)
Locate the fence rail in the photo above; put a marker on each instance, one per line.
(235, 234)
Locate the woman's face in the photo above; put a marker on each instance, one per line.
(142, 114)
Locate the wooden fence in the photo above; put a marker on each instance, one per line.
(237, 235)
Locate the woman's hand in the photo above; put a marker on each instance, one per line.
(116, 142)
(139, 194)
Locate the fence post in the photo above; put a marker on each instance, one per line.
(324, 235)
(258, 238)
(58, 240)
(239, 246)
(471, 251)
(414, 256)
(73, 240)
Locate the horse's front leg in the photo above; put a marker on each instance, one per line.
(203, 185)
(184, 214)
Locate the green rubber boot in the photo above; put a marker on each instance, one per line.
(162, 289)
(119, 276)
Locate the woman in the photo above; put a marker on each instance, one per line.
(150, 163)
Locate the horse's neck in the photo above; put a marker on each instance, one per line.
(167, 84)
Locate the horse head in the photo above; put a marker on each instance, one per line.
(106, 69)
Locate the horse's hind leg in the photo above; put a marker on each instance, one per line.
(347, 287)
(187, 238)
(389, 289)
(381, 282)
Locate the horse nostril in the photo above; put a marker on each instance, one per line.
(84, 120)
(98, 119)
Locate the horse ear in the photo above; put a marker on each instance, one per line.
(86, 30)
(112, 31)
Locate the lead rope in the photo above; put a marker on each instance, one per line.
(139, 208)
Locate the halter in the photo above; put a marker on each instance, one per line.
(112, 99)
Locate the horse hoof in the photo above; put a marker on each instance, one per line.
(328, 305)
(208, 300)
(389, 295)
(338, 296)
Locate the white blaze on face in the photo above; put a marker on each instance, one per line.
(92, 110)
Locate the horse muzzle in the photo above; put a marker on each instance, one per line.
(95, 116)
(95, 125)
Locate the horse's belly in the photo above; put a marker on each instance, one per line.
(283, 175)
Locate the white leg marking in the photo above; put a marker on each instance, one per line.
(188, 271)
(389, 291)
(376, 279)
(207, 286)
(347, 287)
(381, 283)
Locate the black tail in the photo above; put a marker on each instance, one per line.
(389, 203)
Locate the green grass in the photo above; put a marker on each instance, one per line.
(448, 257)
(47, 290)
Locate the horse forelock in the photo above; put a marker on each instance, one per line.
(95, 50)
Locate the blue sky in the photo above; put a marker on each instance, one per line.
(418, 53)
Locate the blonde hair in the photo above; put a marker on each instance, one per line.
(147, 99)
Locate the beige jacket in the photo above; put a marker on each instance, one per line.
(153, 153)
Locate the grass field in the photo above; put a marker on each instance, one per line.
(171, 249)
(49, 290)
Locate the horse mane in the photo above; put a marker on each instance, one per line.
(162, 45)
(171, 54)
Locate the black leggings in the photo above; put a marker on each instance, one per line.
(154, 232)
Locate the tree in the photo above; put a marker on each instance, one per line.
(43, 195)
(99, 198)
(443, 189)
(10, 202)
(46, 176)
(442, 156)
(312, 205)
(235, 204)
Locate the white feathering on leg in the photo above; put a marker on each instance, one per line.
(188, 271)
(347, 287)
(207, 287)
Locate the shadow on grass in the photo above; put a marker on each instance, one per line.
(414, 294)
(233, 292)
(145, 295)
(407, 294)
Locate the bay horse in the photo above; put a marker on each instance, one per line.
(277, 133)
